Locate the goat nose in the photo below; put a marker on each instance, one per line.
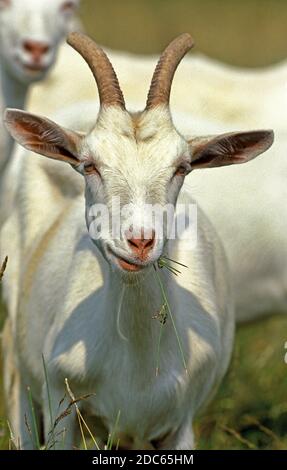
(141, 246)
(36, 49)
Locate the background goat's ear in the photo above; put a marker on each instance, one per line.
(43, 136)
(229, 149)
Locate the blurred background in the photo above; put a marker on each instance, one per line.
(243, 32)
(250, 409)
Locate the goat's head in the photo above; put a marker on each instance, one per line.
(139, 159)
(30, 31)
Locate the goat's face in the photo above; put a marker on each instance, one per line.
(134, 164)
(30, 31)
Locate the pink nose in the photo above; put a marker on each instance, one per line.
(36, 49)
(141, 246)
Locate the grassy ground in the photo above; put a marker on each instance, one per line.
(250, 409)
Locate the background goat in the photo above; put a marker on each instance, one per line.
(30, 33)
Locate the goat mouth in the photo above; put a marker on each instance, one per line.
(129, 266)
(31, 67)
(125, 264)
(34, 68)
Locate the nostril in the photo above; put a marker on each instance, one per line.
(150, 241)
(142, 245)
(133, 242)
(27, 46)
(36, 48)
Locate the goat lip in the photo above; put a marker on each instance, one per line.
(31, 67)
(34, 67)
(125, 264)
(129, 266)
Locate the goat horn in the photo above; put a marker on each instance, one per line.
(110, 93)
(160, 88)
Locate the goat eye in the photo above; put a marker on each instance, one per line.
(90, 168)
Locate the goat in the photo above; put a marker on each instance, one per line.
(87, 303)
(30, 33)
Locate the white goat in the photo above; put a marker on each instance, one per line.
(30, 33)
(88, 304)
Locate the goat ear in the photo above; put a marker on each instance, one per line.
(229, 149)
(43, 136)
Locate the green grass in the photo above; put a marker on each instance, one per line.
(252, 401)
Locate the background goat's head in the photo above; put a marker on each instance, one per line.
(30, 31)
(140, 158)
